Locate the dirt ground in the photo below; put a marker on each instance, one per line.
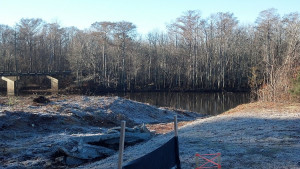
(32, 133)
(255, 135)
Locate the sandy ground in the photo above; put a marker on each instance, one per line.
(255, 135)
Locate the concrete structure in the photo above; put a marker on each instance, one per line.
(54, 84)
(12, 80)
(11, 84)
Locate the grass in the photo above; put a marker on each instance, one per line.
(11, 101)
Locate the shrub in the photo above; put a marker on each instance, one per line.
(296, 86)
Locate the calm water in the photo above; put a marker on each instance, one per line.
(206, 103)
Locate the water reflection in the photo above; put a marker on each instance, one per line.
(205, 103)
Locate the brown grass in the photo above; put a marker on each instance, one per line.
(261, 106)
(163, 128)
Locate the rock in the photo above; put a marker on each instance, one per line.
(74, 149)
(78, 113)
(73, 161)
(133, 135)
(59, 159)
(130, 139)
(111, 131)
(127, 129)
(41, 99)
(88, 151)
(95, 137)
(89, 147)
(134, 138)
(141, 129)
(84, 153)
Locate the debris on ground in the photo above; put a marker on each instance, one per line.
(72, 130)
(41, 99)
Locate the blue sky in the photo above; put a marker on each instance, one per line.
(147, 15)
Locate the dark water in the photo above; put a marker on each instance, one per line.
(205, 103)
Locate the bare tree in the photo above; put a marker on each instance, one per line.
(124, 33)
(29, 29)
(212, 54)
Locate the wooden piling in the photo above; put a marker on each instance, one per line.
(175, 126)
(121, 144)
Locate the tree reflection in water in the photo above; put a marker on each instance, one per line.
(205, 103)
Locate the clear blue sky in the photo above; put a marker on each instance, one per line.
(147, 15)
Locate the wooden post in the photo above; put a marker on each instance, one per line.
(219, 160)
(121, 144)
(175, 126)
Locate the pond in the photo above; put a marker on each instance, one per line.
(204, 103)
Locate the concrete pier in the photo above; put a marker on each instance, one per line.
(54, 84)
(11, 84)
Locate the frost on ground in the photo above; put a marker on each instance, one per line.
(257, 135)
(31, 133)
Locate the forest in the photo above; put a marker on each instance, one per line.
(195, 54)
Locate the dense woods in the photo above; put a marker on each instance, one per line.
(194, 54)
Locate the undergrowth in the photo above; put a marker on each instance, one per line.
(296, 86)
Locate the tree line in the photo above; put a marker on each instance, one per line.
(194, 54)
